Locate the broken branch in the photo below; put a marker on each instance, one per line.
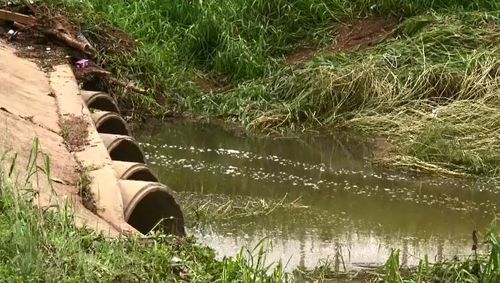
(109, 76)
(60, 33)
(17, 17)
(128, 85)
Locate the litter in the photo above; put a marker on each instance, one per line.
(81, 64)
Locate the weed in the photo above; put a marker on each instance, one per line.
(74, 131)
(84, 191)
(210, 208)
(392, 268)
(45, 246)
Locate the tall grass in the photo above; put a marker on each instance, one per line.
(480, 268)
(233, 40)
(41, 245)
(431, 88)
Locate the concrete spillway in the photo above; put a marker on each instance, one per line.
(146, 203)
(34, 105)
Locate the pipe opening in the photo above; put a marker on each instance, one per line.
(157, 210)
(126, 150)
(142, 174)
(111, 124)
(134, 171)
(104, 103)
(94, 83)
(123, 148)
(100, 101)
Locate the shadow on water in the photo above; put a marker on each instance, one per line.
(349, 212)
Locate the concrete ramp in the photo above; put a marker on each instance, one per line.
(126, 195)
(28, 110)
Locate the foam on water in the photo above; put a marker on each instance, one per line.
(354, 210)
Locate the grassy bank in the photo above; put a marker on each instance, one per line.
(44, 246)
(430, 83)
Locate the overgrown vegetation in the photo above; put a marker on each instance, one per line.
(431, 87)
(44, 246)
(202, 209)
(475, 269)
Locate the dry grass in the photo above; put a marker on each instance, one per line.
(74, 131)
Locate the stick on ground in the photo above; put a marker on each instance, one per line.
(17, 17)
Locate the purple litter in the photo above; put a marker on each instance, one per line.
(80, 64)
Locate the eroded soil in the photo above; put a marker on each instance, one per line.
(363, 33)
(349, 36)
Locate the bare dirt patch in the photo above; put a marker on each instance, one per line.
(363, 33)
(110, 40)
(301, 56)
(30, 41)
(207, 84)
(74, 131)
(39, 50)
(349, 36)
(57, 38)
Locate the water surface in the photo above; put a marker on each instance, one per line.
(349, 211)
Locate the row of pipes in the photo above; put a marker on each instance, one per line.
(147, 203)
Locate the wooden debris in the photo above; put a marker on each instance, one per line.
(59, 32)
(109, 76)
(63, 35)
(17, 18)
(21, 26)
(128, 85)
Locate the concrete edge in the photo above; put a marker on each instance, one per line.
(94, 155)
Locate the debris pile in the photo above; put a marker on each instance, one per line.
(46, 35)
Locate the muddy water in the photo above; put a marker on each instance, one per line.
(349, 211)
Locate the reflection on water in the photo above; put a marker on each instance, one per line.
(356, 213)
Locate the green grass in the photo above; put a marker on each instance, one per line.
(483, 268)
(43, 245)
(432, 88)
(40, 245)
(478, 268)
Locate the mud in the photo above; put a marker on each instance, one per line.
(301, 56)
(349, 36)
(363, 33)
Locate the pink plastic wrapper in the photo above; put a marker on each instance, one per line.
(80, 64)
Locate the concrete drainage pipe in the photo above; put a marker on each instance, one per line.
(123, 148)
(133, 171)
(110, 123)
(99, 100)
(149, 205)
